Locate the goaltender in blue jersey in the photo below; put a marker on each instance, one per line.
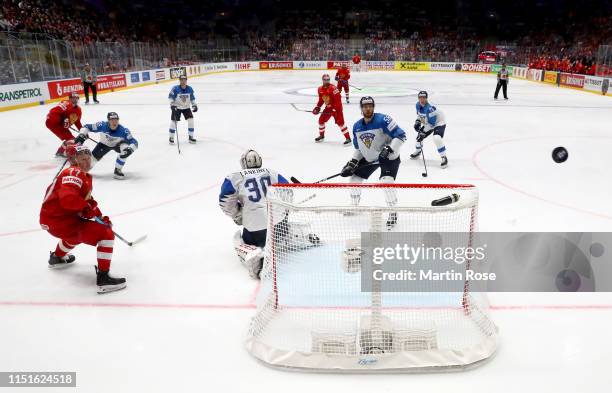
(377, 140)
(113, 136)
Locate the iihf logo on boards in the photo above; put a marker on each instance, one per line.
(367, 138)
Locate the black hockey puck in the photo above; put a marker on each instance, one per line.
(559, 154)
(424, 174)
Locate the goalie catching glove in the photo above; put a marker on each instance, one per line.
(350, 168)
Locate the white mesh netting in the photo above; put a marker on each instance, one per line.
(311, 310)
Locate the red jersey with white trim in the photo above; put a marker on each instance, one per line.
(356, 59)
(330, 95)
(66, 198)
(343, 74)
(66, 114)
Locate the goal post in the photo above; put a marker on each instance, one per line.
(313, 310)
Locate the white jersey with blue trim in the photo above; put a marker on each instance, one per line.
(245, 191)
(430, 116)
(181, 98)
(110, 137)
(370, 138)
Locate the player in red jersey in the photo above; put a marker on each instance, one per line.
(342, 76)
(61, 117)
(329, 94)
(356, 59)
(67, 212)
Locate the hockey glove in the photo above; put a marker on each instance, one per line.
(107, 221)
(316, 110)
(384, 153)
(194, 108)
(349, 168)
(418, 126)
(80, 139)
(126, 152)
(336, 77)
(90, 212)
(422, 135)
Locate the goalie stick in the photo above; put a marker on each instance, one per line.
(138, 240)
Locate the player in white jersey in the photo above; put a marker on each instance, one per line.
(243, 198)
(430, 120)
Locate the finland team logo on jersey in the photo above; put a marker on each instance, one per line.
(367, 138)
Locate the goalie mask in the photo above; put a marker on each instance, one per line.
(250, 159)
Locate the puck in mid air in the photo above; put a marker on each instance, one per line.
(560, 154)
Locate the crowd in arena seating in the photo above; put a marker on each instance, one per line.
(305, 33)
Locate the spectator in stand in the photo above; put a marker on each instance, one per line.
(89, 77)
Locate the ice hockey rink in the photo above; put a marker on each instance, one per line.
(181, 323)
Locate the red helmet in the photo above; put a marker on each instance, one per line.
(326, 78)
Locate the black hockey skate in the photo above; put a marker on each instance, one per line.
(444, 162)
(171, 140)
(106, 283)
(415, 155)
(319, 138)
(118, 174)
(60, 262)
(347, 142)
(192, 140)
(391, 220)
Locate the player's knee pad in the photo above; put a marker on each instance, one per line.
(190, 122)
(438, 141)
(356, 191)
(390, 193)
(173, 124)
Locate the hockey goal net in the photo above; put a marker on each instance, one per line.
(312, 311)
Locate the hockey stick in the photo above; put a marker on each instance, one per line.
(355, 87)
(424, 174)
(138, 240)
(294, 180)
(300, 110)
(78, 132)
(178, 143)
(60, 170)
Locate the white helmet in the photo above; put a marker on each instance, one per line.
(250, 159)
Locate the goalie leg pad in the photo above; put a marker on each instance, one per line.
(251, 257)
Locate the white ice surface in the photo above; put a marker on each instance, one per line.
(180, 324)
